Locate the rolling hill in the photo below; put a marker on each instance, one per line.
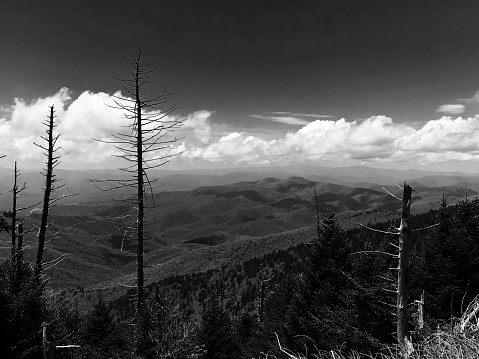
(188, 225)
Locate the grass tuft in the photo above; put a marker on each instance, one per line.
(440, 345)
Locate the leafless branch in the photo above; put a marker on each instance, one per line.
(377, 252)
(391, 194)
(428, 227)
(377, 230)
(53, 265)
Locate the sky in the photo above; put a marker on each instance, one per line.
(377, 83)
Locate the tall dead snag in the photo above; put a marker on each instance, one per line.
(263, 287)
(405, 247)
(14, 211)
(143, 145)
(17, 235)
(318, 226)
(19, 255)
(50, 180)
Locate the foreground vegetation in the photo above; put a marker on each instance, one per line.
(327, 299)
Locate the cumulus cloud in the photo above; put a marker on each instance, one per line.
(446, 134)
(92, 115)
(451, 109)
(79, 121)
(377, 138)
(199, 122)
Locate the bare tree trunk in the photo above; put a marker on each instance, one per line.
(14, 212)
(48, 342)
(145, 146)
(420, 311)
(19, 257)
(404, 249)
(318, 227)
(47, 193)
(263, 286)
(139, 144)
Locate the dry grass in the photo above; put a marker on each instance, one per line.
(440, 345)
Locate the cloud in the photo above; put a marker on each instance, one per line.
(458, 108)
(445, 135)
(471, 100)
(299, 114)
(79, 121)
(377, 138)
(451, 109)
(6, 110)
(199, 122)
(289, 120)
(92, 115)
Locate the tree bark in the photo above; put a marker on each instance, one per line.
(48, 342)
(404, 250)
(141, 213)
(14, 212)
(46, 196)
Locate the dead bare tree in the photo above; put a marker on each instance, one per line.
(143, 144)
(50, 179)
(51, 185)
(13, 214)
(17, 236)
(263, 288)
(404, 249)
(318, 226)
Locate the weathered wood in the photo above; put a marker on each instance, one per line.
(420, 312)
(48, 342)
(19, 247)
(14, 210)
(404, 250)
(263, 286)
(47, 193)
(467, 318)
(140, 188)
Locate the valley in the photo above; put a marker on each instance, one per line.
(202, 222)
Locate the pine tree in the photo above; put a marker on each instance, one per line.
(101, 337)
(23, 310)
(439, 269)
(331, 288)
(315, 310)
(216, 334)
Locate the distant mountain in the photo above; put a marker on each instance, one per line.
(76, 181)
(209, 211)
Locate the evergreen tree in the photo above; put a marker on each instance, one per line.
(372, 295)
(22, 311)
(285, 315)
(67, 325)
(101, 337)
(247, 332)
(216, 334)
(316, 309)
(331, 292)
(439, 265)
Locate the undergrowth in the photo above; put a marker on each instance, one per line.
(440, 345)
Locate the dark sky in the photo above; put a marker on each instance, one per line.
(349, 59)
(261, 82)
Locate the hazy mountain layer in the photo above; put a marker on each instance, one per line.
(97, 248)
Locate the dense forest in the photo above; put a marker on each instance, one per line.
(335, 293)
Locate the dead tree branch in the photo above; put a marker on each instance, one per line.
(143, 144)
